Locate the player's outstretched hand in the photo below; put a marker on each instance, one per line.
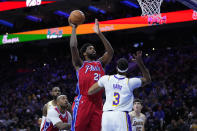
(96, 27)
(137, 57)
(71, 24)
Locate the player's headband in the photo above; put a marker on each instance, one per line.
(122, 71)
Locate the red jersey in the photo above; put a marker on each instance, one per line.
(48, 124)
(87, 75)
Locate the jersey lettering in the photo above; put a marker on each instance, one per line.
(92, 68)
(117, 86)
(135, 123)
(97, 76)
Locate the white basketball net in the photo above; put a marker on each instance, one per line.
(150, 7)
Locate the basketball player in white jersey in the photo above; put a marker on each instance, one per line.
(58, 118)
(55, 92)
(119, 94)
(137, 118)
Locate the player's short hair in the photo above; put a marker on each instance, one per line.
(52, 87)
(122, 65)
(60, 96)
(138, 100)
(83, 48)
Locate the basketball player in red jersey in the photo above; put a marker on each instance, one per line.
(55, 92)
(87, 110)
(58, 118)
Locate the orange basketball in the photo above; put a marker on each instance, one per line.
(77, 17)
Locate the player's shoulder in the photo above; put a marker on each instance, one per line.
(45, 106)
(142, 116)
(132, 113)
(98, 63)
(106, 77)
(52, 110)
(134, 79)
(49, 102)
(92, 62)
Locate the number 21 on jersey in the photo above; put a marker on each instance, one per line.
(117, 99)
(97, 76)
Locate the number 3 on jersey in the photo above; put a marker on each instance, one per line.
(117, 99)
(97, 76)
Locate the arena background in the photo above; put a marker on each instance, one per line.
(33, 64)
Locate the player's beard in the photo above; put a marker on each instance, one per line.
(92, 56)
(63, 107)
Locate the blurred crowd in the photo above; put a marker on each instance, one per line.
(169, 101)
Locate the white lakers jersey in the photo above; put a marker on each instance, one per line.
(50, 104)
(137, 122)
(119, 92)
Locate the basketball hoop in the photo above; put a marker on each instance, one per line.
(150, 7)
(151, 10)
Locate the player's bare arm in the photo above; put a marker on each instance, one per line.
(44, 110)
(94, 89)
(76, 60)
(44, 114)
(63, 126)
(131, 117)
(146, 79)
(106, 58)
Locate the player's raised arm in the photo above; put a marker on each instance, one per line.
(146, 79)
(94, 89)
(76, 60)
(97, 86)
(106, 58)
